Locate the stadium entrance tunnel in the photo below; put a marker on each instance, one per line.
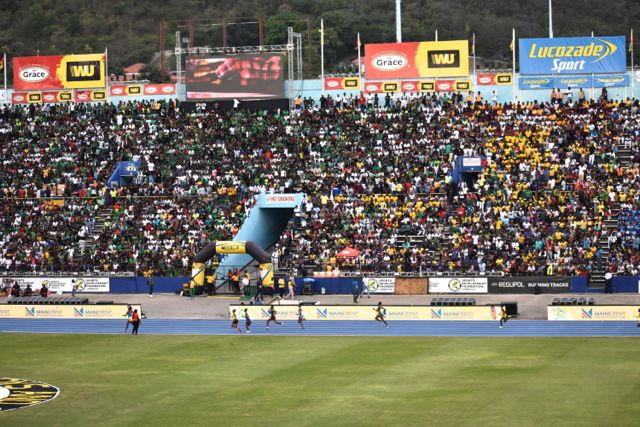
(261, 230)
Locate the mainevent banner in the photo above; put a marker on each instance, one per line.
(114, 311)
(529, 285)
(593, 312)
(417, 59)
(59, 72)
(573, 55)
(354, 312)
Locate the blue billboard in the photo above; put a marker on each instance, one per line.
(573, 55)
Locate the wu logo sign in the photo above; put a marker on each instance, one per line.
(443, 58)
(82, 71)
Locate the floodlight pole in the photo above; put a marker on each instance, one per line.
(398, 22)
(550, 20)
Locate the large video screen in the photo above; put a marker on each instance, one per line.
(239, 76)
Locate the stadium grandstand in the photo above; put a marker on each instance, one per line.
(557, 195)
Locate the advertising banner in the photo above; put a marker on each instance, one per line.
(341, 83)
(621, 80)
(18, 98)
(529, 285)
(65, 284)
(373, 87)
(445, 85)
(463, 85)
(382, 87)
(382, 285)
(417, 59)
(59, 72)
(114, 311)
(159, 89)
(575, 82)
(82, 96)
(593, 312)
(410, 86)
(348, 312)
(573, 55)
(241, 76)
(490, 79)
(117, 91)
(134, 90)
(528, 83)
(34, 97)
(564, 82)
(50, 97)
(457, 285)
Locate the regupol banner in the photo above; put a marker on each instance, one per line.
(573, 55)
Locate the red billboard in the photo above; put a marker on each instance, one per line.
(416, 60)
(241, 76)
(59, 72)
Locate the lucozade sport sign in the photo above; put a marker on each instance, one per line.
(573, 55)
(59, 72)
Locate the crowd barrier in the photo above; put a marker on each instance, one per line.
(436, 285)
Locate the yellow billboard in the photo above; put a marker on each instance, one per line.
(82, 71)
(443, 59)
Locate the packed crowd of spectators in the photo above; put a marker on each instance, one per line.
(377, 174)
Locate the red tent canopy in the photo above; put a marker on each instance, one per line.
(348, 252)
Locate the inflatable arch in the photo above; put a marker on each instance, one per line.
(232, 247)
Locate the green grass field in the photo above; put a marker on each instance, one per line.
(325, 381)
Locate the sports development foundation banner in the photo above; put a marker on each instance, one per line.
(65, 284)
(348, 312)
(458, 285)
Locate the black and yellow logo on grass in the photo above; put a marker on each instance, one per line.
(16, 393)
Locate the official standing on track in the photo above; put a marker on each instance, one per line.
(135, 321)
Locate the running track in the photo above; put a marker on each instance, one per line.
(406, 328)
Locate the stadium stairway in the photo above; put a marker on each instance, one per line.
(90, 241)
(610, 225)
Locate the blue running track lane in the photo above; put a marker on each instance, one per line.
(404, 328)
